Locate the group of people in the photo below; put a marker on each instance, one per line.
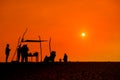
(22, 51)
(52, 57)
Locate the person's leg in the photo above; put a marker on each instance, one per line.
(26, 59)
(7, 58)
(22, 58)
(18, 57)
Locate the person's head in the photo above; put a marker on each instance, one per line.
(25, 45)
(19, 45)
(7, 45)
(53, 53)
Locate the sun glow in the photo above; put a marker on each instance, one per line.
(83, 34)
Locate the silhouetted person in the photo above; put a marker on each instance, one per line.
(7, 52)
(65, 59)
(46, 59)
(18, 52)
(24, 51)
(51, 58)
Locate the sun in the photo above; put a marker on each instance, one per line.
(83, 34)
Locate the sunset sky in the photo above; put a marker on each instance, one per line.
(63, 21)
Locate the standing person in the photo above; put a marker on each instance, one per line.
(18, 52)
(24, 50)
(7, 52)
(65, 59)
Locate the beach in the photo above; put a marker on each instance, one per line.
(61, 71)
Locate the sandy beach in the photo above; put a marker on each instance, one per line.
(61, 71)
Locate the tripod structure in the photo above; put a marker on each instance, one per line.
(22, 40)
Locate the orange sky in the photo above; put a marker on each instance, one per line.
(63, 21)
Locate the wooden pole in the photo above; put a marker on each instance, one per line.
(16, 48)
(40, 49)
(19, 42)
(50, 45)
